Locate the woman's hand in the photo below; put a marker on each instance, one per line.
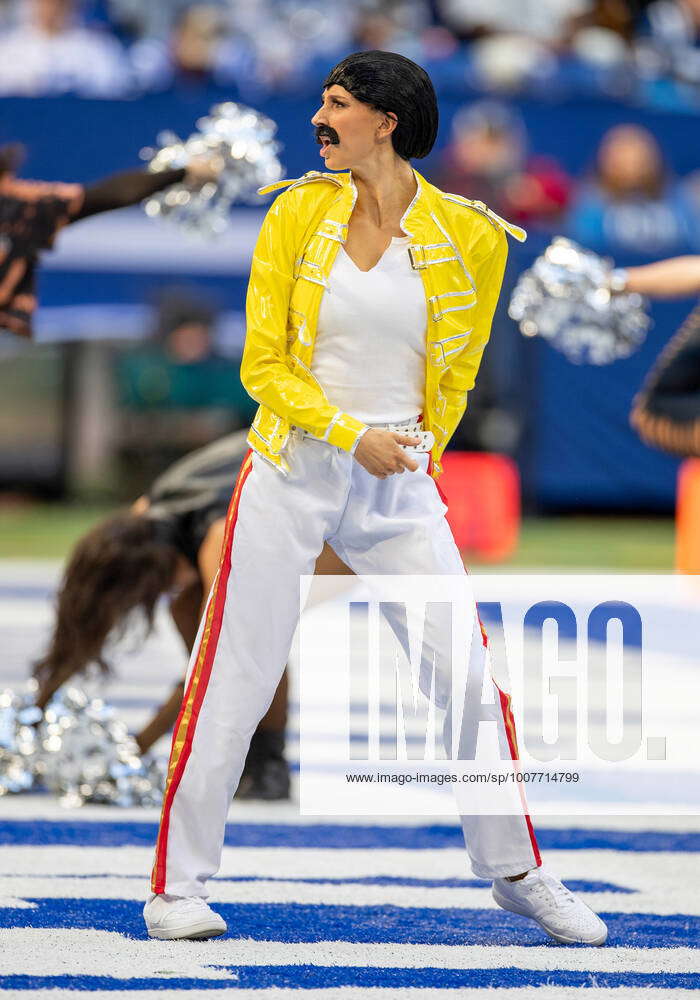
(380, 453)
(203, 169)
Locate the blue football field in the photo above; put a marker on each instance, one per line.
(341, 907)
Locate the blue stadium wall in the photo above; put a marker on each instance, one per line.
(578, 449)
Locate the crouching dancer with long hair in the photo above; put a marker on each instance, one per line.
(166, 546)
(369, 306)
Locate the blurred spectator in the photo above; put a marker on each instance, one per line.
(631, 203)
(602, 35)
(198, 32)
(378, 29)
(256, 48)
(180, 366)
(192, 51)
(397, 26)
(176, 390)
(509, 63)
(544, 19)
(51, 52)
(670, 40)
(487, 161)
(137, 19)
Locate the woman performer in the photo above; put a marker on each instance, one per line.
(666, 412)
(168, 543)
(33, 212)
(341, 454)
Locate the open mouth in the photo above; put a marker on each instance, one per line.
(326, 137)
(325, 143)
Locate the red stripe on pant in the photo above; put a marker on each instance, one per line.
(200, 678)
(429, 470)
(509, 723)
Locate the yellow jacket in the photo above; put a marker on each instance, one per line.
(458, 246)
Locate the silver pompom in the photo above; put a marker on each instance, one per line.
(243, 140)
(565, 297)
(18, 741)
(84, 754)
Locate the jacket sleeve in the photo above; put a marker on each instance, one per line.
(488, 263)
(265, 372)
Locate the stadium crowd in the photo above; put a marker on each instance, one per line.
(626, 50)
(646, 50)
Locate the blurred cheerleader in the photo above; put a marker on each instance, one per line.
(666, 412)
(33, 212)
(168, 543)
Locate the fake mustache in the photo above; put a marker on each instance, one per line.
(330, 133)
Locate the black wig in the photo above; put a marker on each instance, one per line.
(395, 85)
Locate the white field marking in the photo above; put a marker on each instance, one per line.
(633, 870)
(25, 611)
(371, 993)
(68, 952)
(15, 903)
(82, 952)
(46, 572)
(662, 883)
(678, 898)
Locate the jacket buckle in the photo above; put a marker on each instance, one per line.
(437, 356)
(416, 254)
(333, 230)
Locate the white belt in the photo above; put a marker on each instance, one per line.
(411, 428)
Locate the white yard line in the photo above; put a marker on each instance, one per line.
(91, 952)
(683, 899)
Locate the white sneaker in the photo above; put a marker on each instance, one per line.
(169, 918)
(545, 900)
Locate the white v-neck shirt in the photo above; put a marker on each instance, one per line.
(369, 354)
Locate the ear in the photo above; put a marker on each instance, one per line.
(387, 124)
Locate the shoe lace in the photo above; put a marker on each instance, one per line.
(550, 890)
(198, 903)
(192, 903)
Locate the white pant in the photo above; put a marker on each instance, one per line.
(275, 530)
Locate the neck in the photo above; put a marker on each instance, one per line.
(384, 192)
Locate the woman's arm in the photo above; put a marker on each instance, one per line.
(132, 186)
(127, 188)
(675, 278)
(163, 721)
(265, 373)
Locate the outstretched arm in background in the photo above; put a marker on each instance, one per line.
(132, 186)
(675, 278)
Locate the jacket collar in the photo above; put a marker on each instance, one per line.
(417, 212)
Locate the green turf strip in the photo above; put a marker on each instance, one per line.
(47, 531)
